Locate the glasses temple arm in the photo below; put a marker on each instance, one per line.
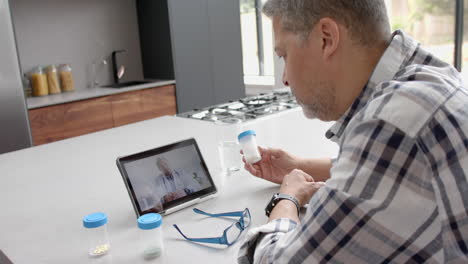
(212, 240)
(198, 211)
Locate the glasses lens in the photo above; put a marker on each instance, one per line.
(247, 219)
(232, 233)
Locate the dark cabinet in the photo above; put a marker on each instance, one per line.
(201, 40)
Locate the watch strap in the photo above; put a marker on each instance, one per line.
(277, 198)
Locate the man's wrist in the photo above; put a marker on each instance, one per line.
(300, 163)
(285, 209)
(286, 203)
(277, 197)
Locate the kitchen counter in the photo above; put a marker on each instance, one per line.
(46, 190)
(66, 97)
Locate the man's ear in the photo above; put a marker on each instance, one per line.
(329, 33)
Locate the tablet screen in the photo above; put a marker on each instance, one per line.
(166, 177)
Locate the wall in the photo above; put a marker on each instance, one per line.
(78, 32)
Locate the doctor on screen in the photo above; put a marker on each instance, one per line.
(174, 183)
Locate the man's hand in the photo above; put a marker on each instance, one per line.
(300, 185)
(273, 166)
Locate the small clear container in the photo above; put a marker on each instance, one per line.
(151, 235)
(98, 239)
(228, 149)
(248, 142)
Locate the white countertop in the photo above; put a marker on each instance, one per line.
(66, 97)
(46, 190)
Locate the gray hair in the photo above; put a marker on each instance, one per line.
(161, 160)
(366, 20)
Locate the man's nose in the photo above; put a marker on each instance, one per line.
(285, 79)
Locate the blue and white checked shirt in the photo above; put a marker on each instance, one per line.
(398, 191)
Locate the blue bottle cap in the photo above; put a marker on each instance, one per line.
(95, 220)
(149, 221)
(246, 133)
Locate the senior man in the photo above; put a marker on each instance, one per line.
(397, 192)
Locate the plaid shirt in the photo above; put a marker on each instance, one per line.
(398, 191)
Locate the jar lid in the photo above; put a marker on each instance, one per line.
(51, 68)
(95, 220)
(37, 69)
(64, 67)
(246, 133)
(149, 221)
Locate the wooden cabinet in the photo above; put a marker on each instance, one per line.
(87, 116)
(67, 120)
(47, 124)
(144, 104)
(127, 108)
(158, 101)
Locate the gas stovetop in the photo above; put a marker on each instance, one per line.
(247, 108)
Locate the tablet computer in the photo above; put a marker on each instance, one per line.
(166, 179)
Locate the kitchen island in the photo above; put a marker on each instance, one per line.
(46, 190)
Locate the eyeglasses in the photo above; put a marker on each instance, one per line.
(230, 234)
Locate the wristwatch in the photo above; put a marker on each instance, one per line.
(278, 197)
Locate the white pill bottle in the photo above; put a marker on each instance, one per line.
(248, 142)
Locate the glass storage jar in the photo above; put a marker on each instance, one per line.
(66, 78)
(52, 79)
(38, 82)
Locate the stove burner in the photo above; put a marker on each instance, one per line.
(262, 111)
(224, 112)
(229, 121)
(281, 93)
(246, 108)
(271, 109)
(280, 107)
(217, 111)
(259, 100)
(236, 106)
(256, 102)
(199, 115)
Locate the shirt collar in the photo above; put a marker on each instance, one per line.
(399, 53)
(168, 177)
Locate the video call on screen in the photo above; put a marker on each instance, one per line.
(166, 177)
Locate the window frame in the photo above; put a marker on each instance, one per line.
(459, 20)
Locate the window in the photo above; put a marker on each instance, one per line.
(257, 39)
(437, 24)
(431, 22)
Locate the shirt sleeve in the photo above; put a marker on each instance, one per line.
(259, 239)
(368, 212)
(285, 241)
